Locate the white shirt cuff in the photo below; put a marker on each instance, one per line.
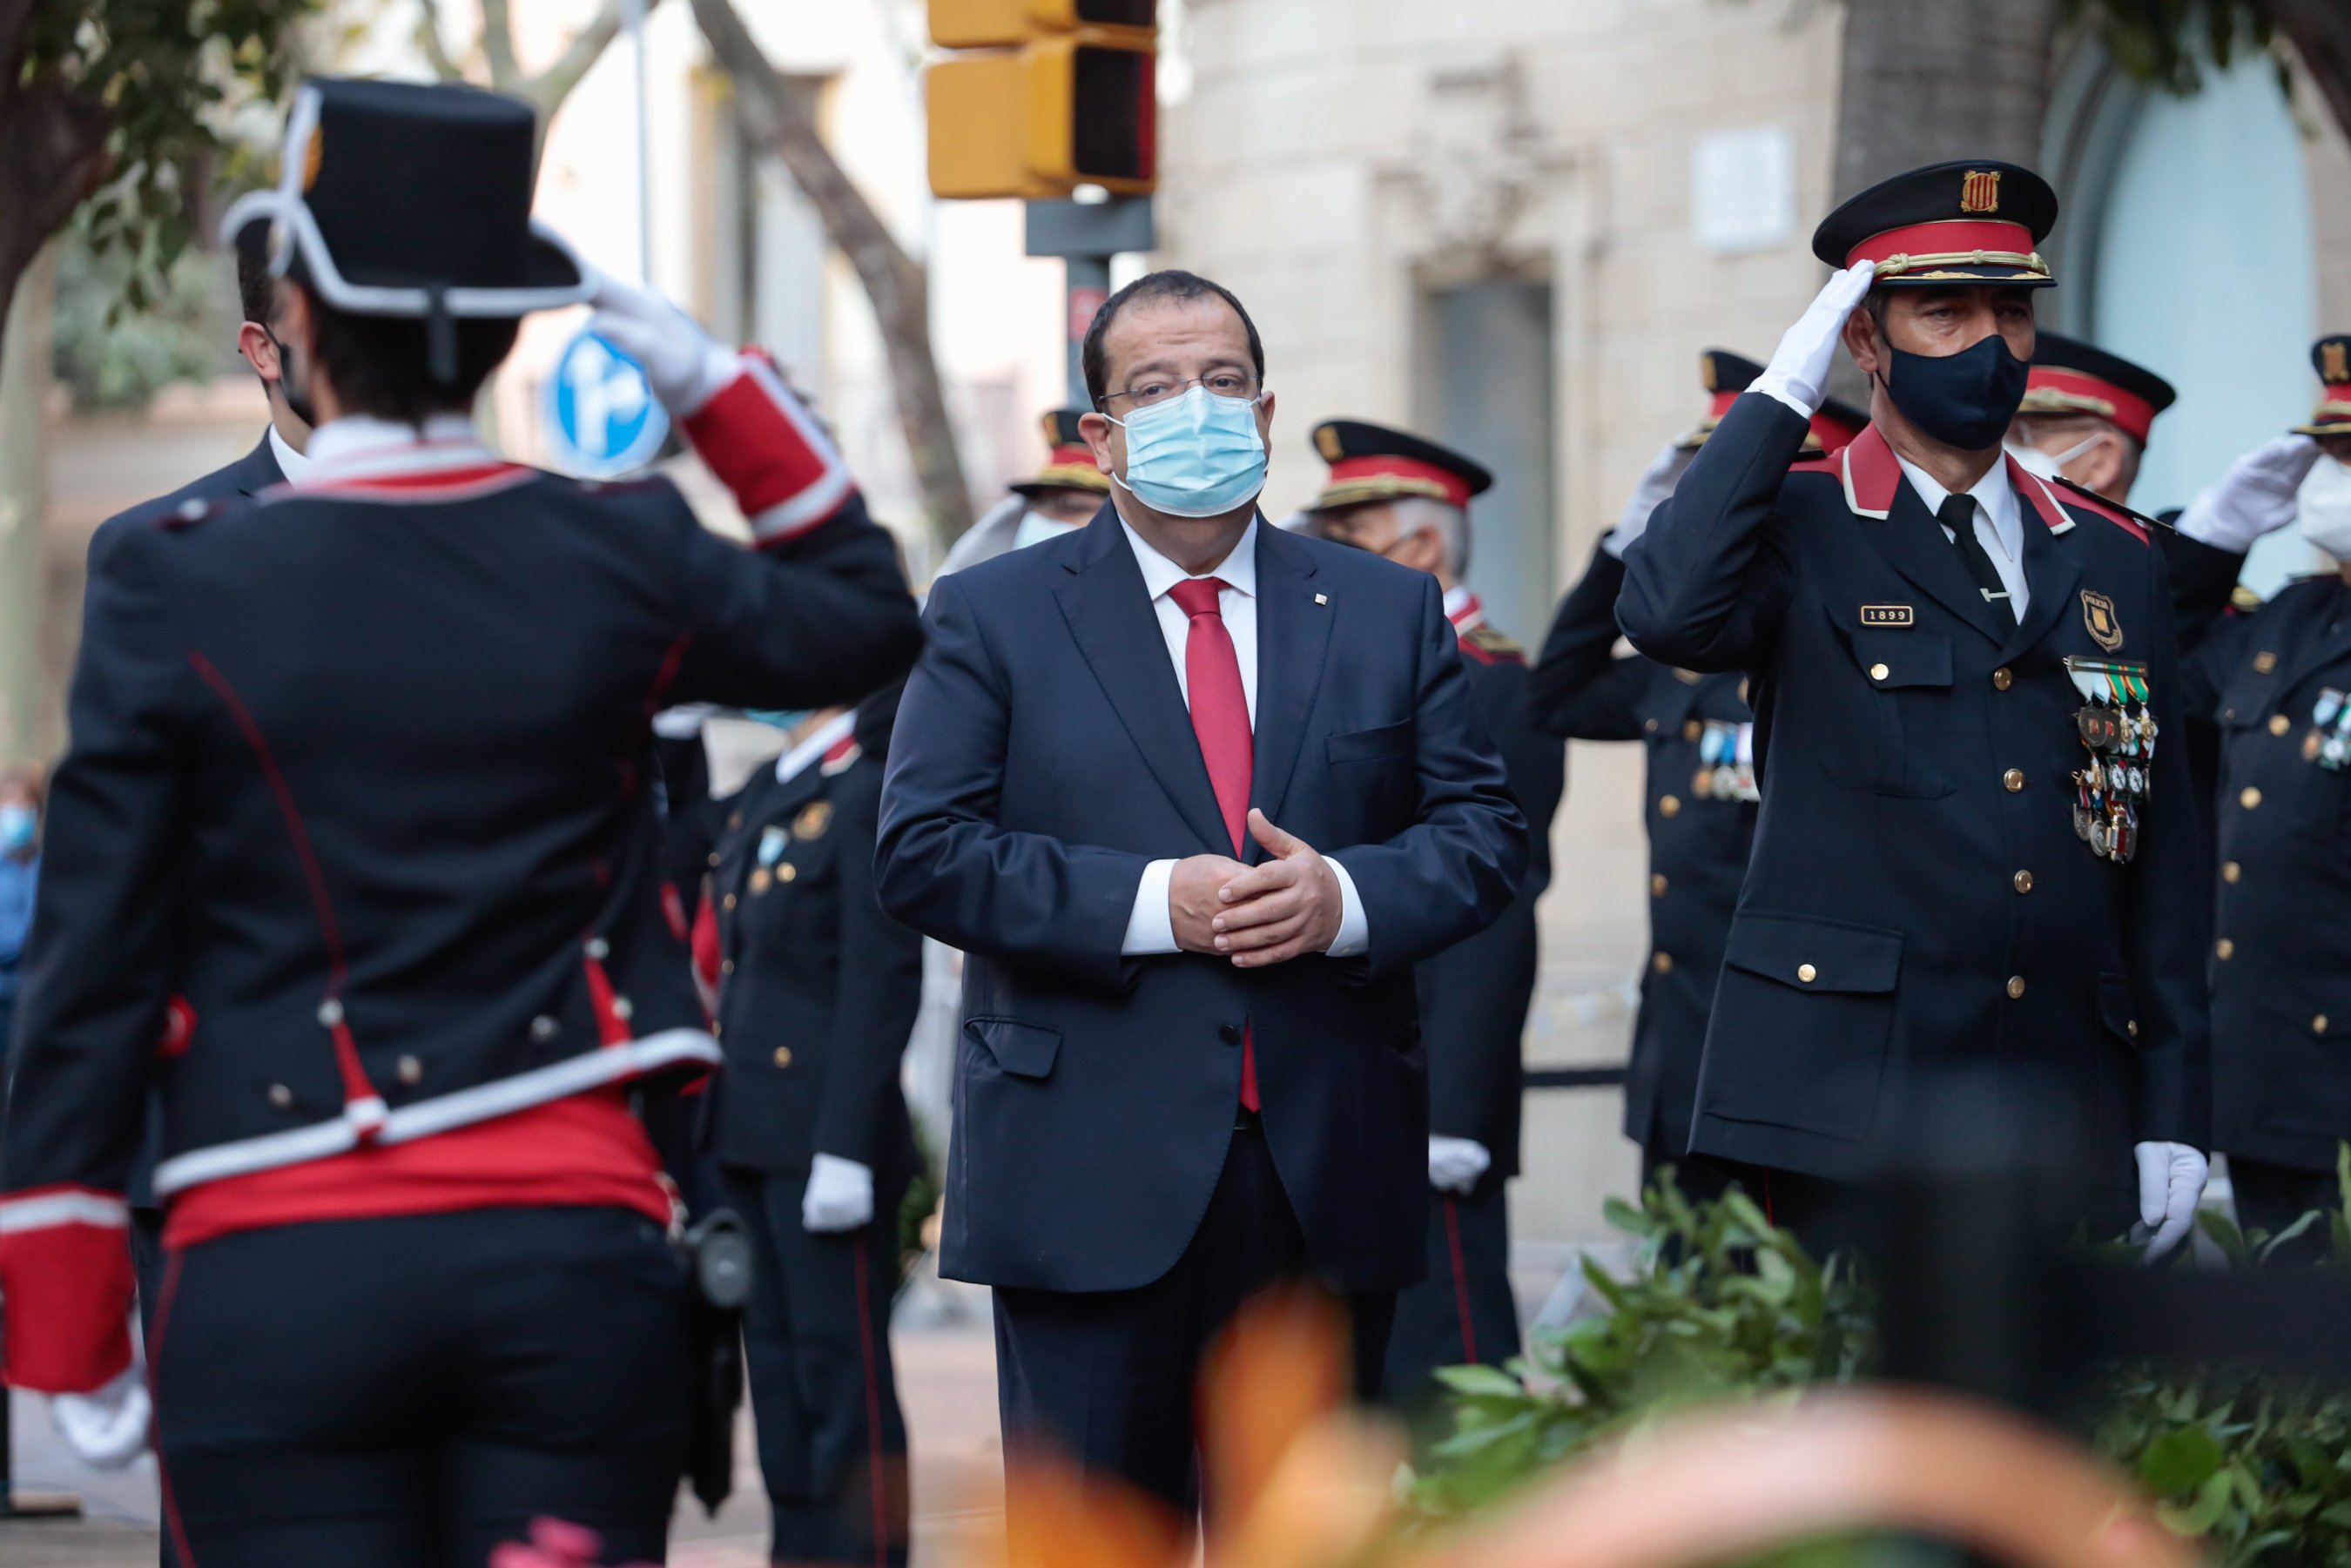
(1771, 387)
(1150, 926)
(1354, 931)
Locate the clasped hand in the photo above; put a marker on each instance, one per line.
(1259, 915)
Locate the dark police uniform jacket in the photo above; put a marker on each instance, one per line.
(250, 475)
(818, 989)
(1473, 995)
(1699, 842)
(2282, 954)
(359, 822)
(1919, 899)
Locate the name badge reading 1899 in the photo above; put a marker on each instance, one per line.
(1888, 615)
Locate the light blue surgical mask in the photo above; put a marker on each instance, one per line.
(785, 718)
(1198, 456)
(17, 823)
(1036, 528)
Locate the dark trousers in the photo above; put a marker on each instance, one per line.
(1109, 1379)
(824, 1400)
(1465, 1311)
(2271, 1198)
(409, 1393)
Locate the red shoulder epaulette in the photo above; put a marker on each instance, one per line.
(840, 755)
(1489, 646)
(1827, 463)
(2139, 527)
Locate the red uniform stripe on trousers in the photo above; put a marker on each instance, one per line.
(1460, 1278)
(154, 1384)
(873, 1406)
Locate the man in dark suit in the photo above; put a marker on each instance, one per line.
(1972, 855)
(1190, 1060)
(1407, 498)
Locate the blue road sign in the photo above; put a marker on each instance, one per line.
(601, 416)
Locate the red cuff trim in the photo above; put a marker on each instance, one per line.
(766, 449)
(65, 1272)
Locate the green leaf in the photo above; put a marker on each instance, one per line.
(1481, 1381)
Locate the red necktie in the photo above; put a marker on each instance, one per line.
(1220, 719)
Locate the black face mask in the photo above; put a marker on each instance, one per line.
(1964, 400)
(295, 399)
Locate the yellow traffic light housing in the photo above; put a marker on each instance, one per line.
(1054, 95)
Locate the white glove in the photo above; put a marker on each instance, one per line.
(1456, 1163)
(840, 1195)
(2170, 1182)
(686, 368)
(1654, 488)
(107, 1429)
(685, 721)
(1798, 374)
(2255, 497)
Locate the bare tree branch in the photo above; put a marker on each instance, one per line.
(429, 41)
(498, 47)
(779, 116)
(2320, 32)
(552, 86)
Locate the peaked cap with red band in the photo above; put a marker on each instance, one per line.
(1373, 462)
(1972, 221)
(2332, 359)
(1726, 375)
(2072, 378)
(1068, 462)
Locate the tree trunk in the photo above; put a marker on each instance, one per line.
(2320, 32)
(779, 118)
(1924, 81)
(27, 728)
(52, 158)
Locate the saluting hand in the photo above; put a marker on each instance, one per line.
(1287, 907)
(1799, 371)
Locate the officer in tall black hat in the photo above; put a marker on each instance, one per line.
(817, 992)
(1975, 850)
(355, 857)
(1406, 497)
(2274, 679)
(1062, 497)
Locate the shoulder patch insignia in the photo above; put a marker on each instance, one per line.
(1888, 615)
(1489, 646)
(2098, 615)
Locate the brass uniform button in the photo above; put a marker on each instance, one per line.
(2250, 798)
(783, 1056)
(1657, 885)
(331, 1012)
(734, 820)
(787, 872)
(1692, 729)
(411, 1071)
(726, 966)
(2265, 663)
(727, 901)
(1742, 688)
(1807, 974)
(2024, 880)
(2224, 950)
(623, 1008)
(281, 1096)
(1663, 962)
(2014, 778)
(1878, 671)
(1650, 726)
(2232, 872)
(2133, 1028)
(761, 880)
(1670, 806)
(2280, 724)
(714, 857)
(1699, 781)
(2318, 1024)
(2002, 678)
(544, 1028)
(2015, 986)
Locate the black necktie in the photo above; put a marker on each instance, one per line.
(1957, 515)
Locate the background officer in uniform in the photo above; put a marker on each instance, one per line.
(1406, 498)
(1062, 495)
(2278, 683)
(1932, 891)
(818, 991)
(2086, 415)
(1701, 786)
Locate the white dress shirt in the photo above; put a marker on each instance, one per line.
(1999, 523)
(1150, 925)
(291, 463)
(814, 745)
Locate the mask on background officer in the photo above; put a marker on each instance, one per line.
(1062, 495)
(2086, 415)
(1972, 855)
(1701, 786)
(1407, 498)
(2274, 679)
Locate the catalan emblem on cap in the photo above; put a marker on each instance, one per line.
(2331, 357)
(1980, 192)
(2098, 615)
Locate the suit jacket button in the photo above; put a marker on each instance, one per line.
(1668, 806)
(2024, 881)
(2249, 799)
(1649, 726)
(1657, 885)
(622, 1008)
(1663, 962)
(727, 903)
(2318, 1024)
(2280, 724)
(411, 1071)
(2015, 986)
(330, 1013)
(1229, 1033)
(2002, 678)
(783, 1056)
(2014, 778)
(1807, 974)
(714, 857)
(598, 950)
(281, 1096)
(543, 1027)
(2232, 872)
(2224, 950)
(726, 967)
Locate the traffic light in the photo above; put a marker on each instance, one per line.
(1054, 94)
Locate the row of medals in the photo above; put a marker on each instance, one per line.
(2118, 727)
(1725, 763)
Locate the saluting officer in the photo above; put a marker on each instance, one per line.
(1407, 498)
(1700, 785)
(2278, 683)
(358, 824)
(1975, 850)
(818, 991)
(1061, 497)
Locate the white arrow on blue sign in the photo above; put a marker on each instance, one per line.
(603, 419)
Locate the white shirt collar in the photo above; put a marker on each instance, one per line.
(1458, 598)
(1994, 493)
(818, 741)
(294, 466)
(1239, 570)
(359, 445)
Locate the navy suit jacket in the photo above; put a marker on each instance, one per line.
(1043, 756)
